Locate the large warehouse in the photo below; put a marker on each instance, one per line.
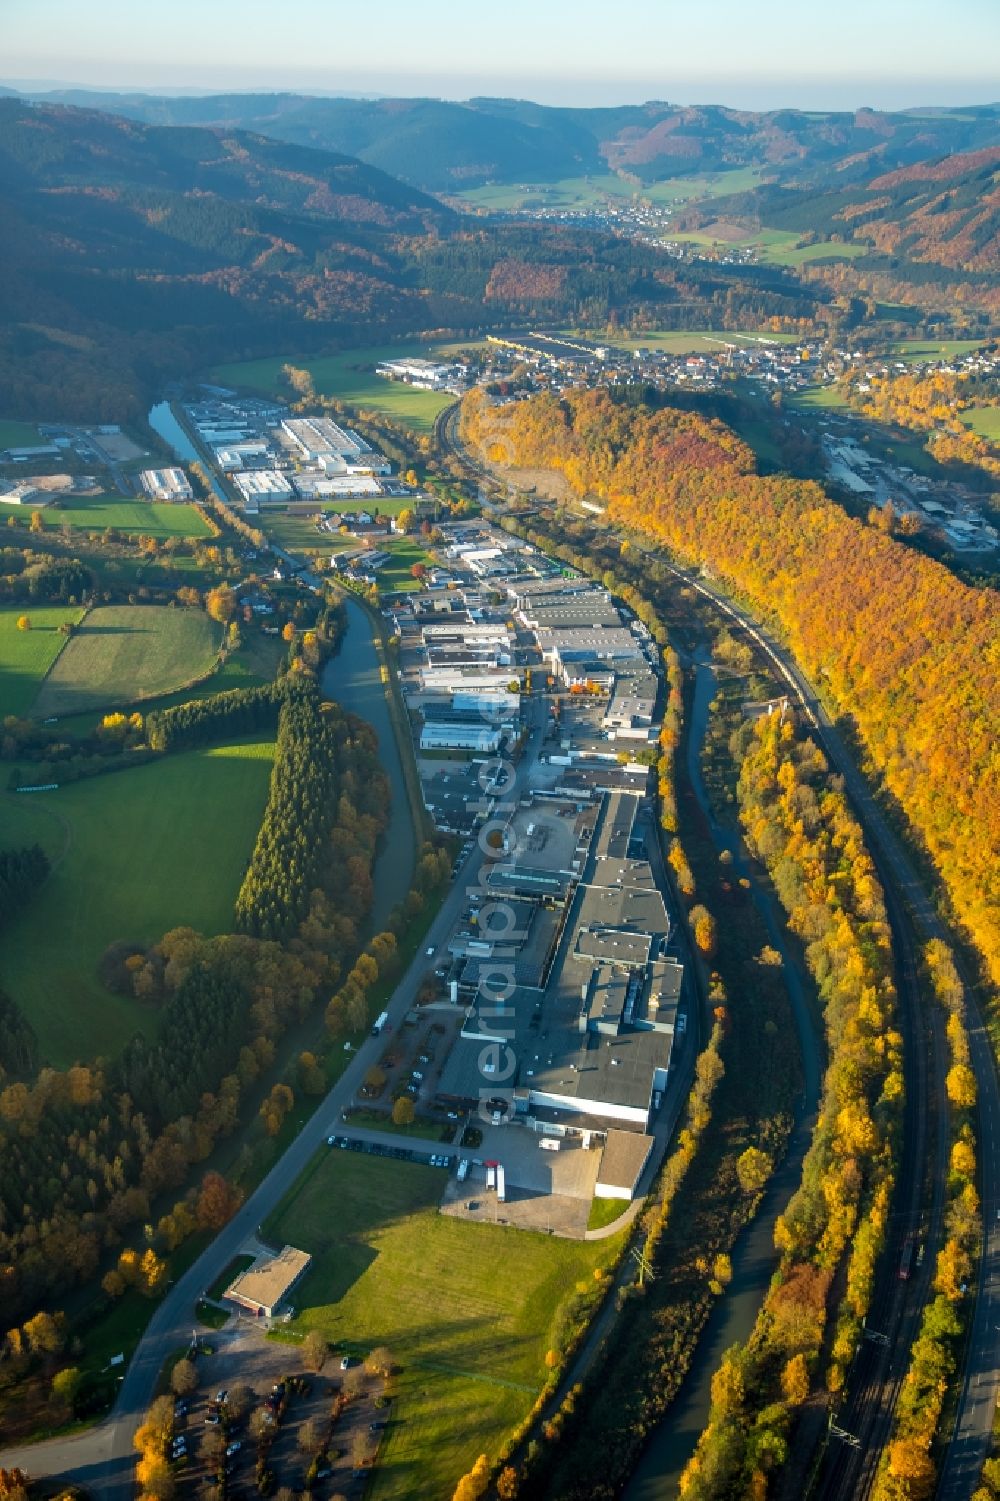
(595, 1041)
(456, 735)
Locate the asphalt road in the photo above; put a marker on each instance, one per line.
(101, 1459)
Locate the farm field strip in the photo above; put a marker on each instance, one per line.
(26, 656)
(97, 513)
(124, 654)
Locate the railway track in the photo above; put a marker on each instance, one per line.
(862, 1425)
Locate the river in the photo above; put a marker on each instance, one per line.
(353, 678)
(657, 1475)
(162, 420)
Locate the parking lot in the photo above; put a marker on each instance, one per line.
(570, 1172)
(552, 1214)
(322, 1424)
(411, 1061)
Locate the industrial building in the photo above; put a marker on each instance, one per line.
(459, 735)
(592, 1041)
(263, 486)
(166, 484)
(424, 374)
(622, 1161)
(335, 450)
(313, 485)
(24, 493)
(464, 680)
(233, 457)
(265, 1285)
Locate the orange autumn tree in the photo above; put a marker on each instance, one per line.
(900, 644)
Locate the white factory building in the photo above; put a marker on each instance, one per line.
(249, 455)
(424, 374)
(318, 485)
(454, 735)
(333, 449)
(263, 486)
(166, 484)
(457, 680)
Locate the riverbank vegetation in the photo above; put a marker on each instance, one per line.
(909, 1468)
(799, 824)
(910, 662)
(475, 1315)
(740, 1111)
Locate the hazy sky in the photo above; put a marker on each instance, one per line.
(749, 53)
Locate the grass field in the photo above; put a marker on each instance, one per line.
(468, 1310)
(821, 398)
(142, 851)
(985, 421)
(577, 193)
(582, 194)
(350, 377)
(778, 247)
(405, 552)
(714, 185)
(692, 341)
(16, 434)
(825, 250)
(920, 350)
(26, 656)
(124, 654)
(605, 1212)
(298, 534)
(255, 663)
(94, 513)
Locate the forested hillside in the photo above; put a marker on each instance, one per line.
(907, 653)
(132, 255)
(933, 224)
(443, 145)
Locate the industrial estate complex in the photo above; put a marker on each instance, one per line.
(559, 992)
(271, 457)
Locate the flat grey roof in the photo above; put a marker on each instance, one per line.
(624, 1157)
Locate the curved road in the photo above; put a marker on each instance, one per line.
(101, 1459)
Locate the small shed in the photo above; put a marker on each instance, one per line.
(622, 1161)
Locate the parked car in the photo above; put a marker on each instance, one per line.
(345, 1364)
(233, 1448)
